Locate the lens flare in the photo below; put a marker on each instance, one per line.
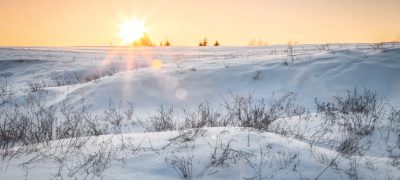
(156, 64)
(181, 93)
(132, 30)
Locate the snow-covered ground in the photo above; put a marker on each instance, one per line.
(297, 146)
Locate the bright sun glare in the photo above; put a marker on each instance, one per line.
(132, 30)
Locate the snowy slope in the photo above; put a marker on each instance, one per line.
(279, 157)
(206, 74)
(184, 77)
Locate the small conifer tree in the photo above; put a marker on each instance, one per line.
(205, 42)
(167, 43)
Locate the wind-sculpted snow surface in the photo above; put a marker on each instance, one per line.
(188, 76)
(228, 112)
(217, 153)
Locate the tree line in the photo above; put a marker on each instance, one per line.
(145, 40)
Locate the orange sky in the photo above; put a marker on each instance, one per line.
(185, 22)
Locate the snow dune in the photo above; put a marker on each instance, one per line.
(184, 77)
(205, 74)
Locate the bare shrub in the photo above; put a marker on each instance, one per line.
(5, 88)
(379, 45)
(260, 115)
(291, 51)
(324, 47)
(204, 116)
(117, 116)
(246, 113)
(331, 163)
(10, 149)
(29, 125)
(178, 61)
(257, 75)
(355, 102)
(222, 153)
(306, 53)
(228, 66)
(188, 135)
(182, 166)
(356, 112)
(393, 127)
(350, 145)
(394, 119)
(93, 164)
(258, 163)
(78, 122)
(5, 76)
(35, 86)
(352, 172)
(163, 121)
(285, 62)
(75, 78)
(32, 124)
(356, 115)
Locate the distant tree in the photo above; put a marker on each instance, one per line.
(216, 43)
(143, 41)
(201, 43)
(291, 51)
(259, 42)
(205, 42)
(252, 42)
(167, 43)
(262, 43)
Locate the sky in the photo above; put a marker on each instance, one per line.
(186, 22)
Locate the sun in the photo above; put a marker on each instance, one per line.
(132, 30)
